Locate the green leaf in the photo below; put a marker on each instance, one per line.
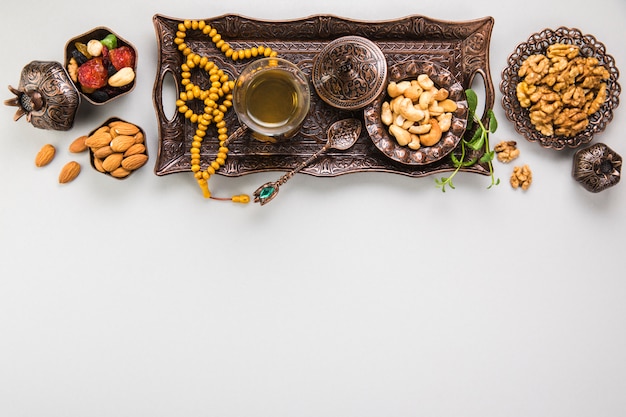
(478, 140)
(472, 100)
(487, 156)
(493, 123)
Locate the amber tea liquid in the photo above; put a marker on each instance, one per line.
(272, 98)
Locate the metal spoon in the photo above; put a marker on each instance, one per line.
(341, 135)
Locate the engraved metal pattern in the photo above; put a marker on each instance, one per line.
(60, 100)
(460, 47)
(349, 73)
(537, 44)
(597, 167)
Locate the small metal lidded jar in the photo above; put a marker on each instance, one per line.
(349, 72)
(597, 167)
(46, 96)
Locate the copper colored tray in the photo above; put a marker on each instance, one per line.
(461, 47)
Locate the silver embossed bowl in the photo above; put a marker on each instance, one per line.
(388, 145)
(538, 43)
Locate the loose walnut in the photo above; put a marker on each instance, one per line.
(561, 89)
(521, 177)
(506, 151)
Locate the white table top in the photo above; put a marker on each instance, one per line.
(362, 295)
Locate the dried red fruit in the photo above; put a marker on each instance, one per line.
(122, 57)
(93, 74)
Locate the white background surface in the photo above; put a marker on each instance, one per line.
(362, 295)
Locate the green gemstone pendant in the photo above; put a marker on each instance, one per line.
(265, 193)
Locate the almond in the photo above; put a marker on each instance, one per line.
(139, 137)
(78, 145)
(120, 172)
(69, 172)
(112, 161)
(134, 162)
(97, 164)
(122, 143)
(98, 140)
(123, 128)
(45, 155)
(135, 149)
(103, 152)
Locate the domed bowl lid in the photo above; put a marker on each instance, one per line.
(349, 72)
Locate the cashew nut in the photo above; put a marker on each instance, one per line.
(420, 129)
(432, 137)
(448, 105)
(409, 111)
(413, 92)
(396, 89)
(445, 121)
(123, 77)
(425, 82)
(402, 136)
(385, 114)
(415, 142)
(441, 94)
(425, 100)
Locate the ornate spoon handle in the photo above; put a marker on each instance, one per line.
(265, 193)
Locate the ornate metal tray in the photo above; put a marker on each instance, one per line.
(461, 47)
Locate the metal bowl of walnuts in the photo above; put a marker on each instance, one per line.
(560, 88)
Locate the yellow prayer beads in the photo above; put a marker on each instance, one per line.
(217, 99)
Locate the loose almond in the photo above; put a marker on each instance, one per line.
(45, 155)
(69, 172)
(78, 145)
(134, 162)
(112, 161)
(135, 149)
(122, 143)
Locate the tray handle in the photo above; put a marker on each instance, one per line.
(164, 84)
(487, 85)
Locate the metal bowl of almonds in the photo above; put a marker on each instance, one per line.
(560, 88)
(101, 64)
(421, 116)
(117, 148)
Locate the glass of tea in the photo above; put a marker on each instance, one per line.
(272, 97)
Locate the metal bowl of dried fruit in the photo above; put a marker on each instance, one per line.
(101, 64)
(560, 88)
(421, 116)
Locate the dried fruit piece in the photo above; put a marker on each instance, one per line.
(69, 172)
(45, 155)
(98, 140)
(122, 57)
(78, 145)
(110, 41)
(93, 74)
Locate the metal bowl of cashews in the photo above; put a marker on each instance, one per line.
(560, 88)
(422, 115)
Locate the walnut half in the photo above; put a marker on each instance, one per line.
(521, 177)
(506, 151)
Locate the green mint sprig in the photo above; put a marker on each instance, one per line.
(479, 140)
